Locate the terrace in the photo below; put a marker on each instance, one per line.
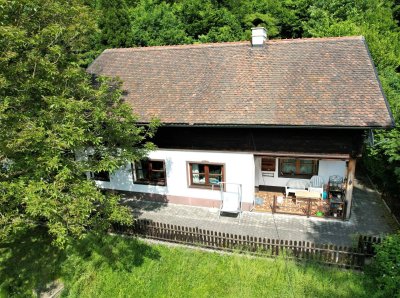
(277, 202)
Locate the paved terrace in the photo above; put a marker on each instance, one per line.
(369, 217)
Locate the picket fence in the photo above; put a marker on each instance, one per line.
(349, 257)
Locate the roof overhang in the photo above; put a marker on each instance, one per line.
(210, 125)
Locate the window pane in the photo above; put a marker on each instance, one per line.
(139, 174)
(306, 167)
(215, 169)
(199, 178)
(197, 168)
(138, 165)
(289, 166)
(102, 176)
(157, 175)
(214, 179)
(157, 165)
(142, 170)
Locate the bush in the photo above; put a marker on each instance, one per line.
(385, 268)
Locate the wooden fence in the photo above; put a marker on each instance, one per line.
(348, 257)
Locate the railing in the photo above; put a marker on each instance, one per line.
(307, 207)
(342, 256)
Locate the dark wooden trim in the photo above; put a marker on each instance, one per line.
(302, 155)
(150, 182)
(351, 169)
(336, 143)
(271, 167)
(206, 174)
(315, 165)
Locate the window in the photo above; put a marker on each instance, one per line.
(298, 168)
(150, 172)
(268, 164)
(99, 175)
(205, 175)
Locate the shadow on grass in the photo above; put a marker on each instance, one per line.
(28, 263)
(117, 252)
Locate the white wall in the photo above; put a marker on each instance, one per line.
(326, 168)
(331, 167)
(239, 168)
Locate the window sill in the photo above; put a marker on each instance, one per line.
(296, 176)
(209, 187)
(150, 183)
(102, 180)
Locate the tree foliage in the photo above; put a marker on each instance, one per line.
(50, 110)
(385, 268)
(155, 24)
(115, 24)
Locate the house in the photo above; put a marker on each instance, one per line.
(257, 114)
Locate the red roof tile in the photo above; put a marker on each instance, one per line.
(305, 82)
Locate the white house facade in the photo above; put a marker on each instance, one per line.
(179, 186)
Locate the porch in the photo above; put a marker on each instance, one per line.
(277, 202)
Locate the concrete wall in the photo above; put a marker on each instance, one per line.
(239, 168)
(326, 168)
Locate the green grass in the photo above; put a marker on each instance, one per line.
(114, 266)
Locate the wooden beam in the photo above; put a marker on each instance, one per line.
(351, 169)
(302, 155)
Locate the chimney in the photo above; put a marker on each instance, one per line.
(258, 36)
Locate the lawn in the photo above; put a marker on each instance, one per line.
(115, 266)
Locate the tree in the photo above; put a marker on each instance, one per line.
(115, 24)
(50, 109)
(156, 24)
(207, 22)
(385, 267)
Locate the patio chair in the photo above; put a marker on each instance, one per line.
(231, 201)
(316, 184)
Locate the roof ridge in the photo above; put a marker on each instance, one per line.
(317, 39)
(181, 46)
(233, 43)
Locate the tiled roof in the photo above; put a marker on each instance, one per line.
(327, 82)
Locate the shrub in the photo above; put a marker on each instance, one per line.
(385, 268)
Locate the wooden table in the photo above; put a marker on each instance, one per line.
(304, 194)
(309, 196)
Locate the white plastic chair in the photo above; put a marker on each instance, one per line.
(316, 184)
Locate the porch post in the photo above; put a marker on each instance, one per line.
(349, 188)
